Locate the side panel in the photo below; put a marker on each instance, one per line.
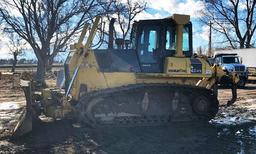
(89, 75)
(115, 60)
(176, 66)
(118, 79)
(187, 67)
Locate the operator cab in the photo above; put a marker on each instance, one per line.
(151, 41)
(156, 39)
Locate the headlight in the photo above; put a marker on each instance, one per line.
(228, 68)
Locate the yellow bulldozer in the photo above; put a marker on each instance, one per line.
(152, 79)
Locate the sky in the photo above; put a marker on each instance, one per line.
(164, 8)
(156, 9)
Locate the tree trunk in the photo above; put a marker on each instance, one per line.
(49, 64)
(41, 70)
(241, 44)
(248, 42)
(15, 59)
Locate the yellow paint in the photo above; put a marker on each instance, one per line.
(117, 79)
(177, 70)
(175, 66)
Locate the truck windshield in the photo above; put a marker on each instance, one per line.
(228, 60)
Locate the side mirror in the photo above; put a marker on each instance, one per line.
(241, 60)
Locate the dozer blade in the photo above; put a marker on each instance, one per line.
(147, 104)
(24, 124)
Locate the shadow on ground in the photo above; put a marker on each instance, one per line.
(62, 137)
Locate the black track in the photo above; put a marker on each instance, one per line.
(147, 104)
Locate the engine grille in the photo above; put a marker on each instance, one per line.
(239, 68)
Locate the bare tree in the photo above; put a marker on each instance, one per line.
(234, 19)
(48, 25)
(16, 46)
(126, 13)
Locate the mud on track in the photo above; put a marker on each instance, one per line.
(233, 131)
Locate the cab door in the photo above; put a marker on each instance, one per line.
(148, 49)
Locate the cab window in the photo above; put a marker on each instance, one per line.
(148, 43)
(152, 40)
(186, 39)
(171, 39)
(142, 42)
(217, 60)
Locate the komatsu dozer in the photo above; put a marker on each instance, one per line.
(154, 78)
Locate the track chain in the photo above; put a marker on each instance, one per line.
(141, 120)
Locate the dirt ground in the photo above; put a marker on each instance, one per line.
(232, 131)
(244, 109)
(12, 103)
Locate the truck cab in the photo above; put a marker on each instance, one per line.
(232, 63)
